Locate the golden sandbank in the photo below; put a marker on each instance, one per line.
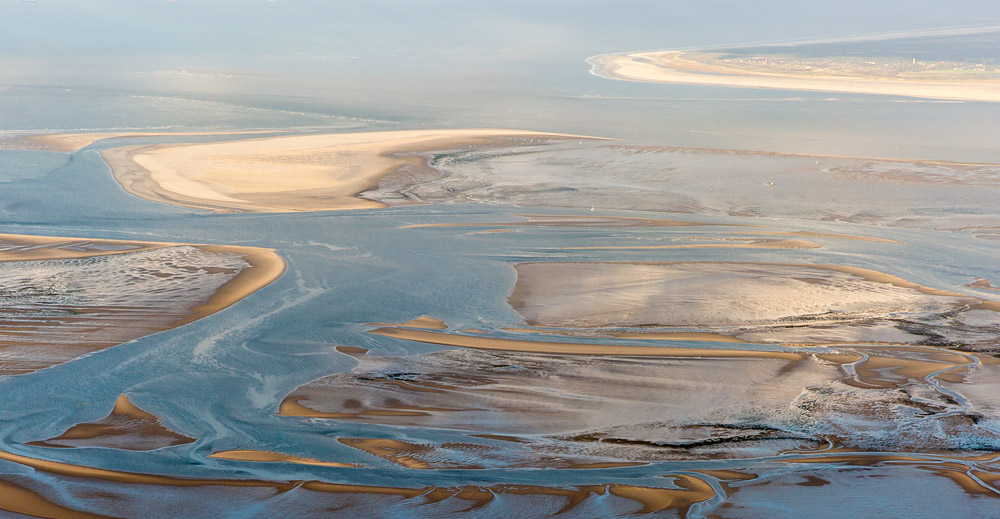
(274, 457)
(684, 67)
(290, 173)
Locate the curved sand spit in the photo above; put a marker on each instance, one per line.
(668, 66)
(289, 173)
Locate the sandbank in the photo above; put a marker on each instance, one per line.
(568, 348)
(688, 490)
(126, 427)
(70, 142)
(123, 296)
(573, 220)
(274, 457)
(716, 294)
(756, 244)
(290, 173)
(669, 66)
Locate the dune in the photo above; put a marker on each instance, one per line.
(290, 173)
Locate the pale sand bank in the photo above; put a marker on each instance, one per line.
(424, 321)
(274, 457)
(125, 290)
(70, 142)
(716, 294)
(293, 173)
(666, 66)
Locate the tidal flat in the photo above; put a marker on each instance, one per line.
(399, 280)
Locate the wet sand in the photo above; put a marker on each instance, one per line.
(542, 220)
(126, 427)
(567, 348)
(679, 67)
(687, 490)
(770, 302)
(750, 244)
(105, 292)
(295, 173)
(70, 142)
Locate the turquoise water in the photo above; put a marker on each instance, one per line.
(221, 379)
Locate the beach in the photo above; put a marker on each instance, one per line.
(667, 66)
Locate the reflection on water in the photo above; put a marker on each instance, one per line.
(667, 325)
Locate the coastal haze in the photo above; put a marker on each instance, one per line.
(574, 259)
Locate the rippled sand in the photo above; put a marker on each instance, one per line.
(755, 301)
(63, 297)
(296, 173)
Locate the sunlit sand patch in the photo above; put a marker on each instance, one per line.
(274, 457)
(637, 409)
(489, 231)
(70, 142)
(424, 321)
(755, 302)
(64, 297)
(984, 284)
(296, 173)
(687, 490)
(687, 67)
(809, 234)
(468, 456)
(751, 244)
(628, 334)
(126, 427)
(565, 220)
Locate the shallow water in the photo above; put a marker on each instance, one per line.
(864, 388)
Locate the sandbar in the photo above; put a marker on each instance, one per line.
(126, 427)
(70, 142)
(568, 348)
(130, 289)
(274, 457)
(671, 66)
(291, 173)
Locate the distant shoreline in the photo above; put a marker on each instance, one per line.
(669, 66)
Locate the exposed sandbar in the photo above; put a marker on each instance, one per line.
(698, 294)
(126, 427)
(293, 173)
(567, 348)
(70, 142)
(754, 244)
(682, 67)
(274, 457)
(566, 220)
(62, 307)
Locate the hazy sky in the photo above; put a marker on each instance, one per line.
(352, 42)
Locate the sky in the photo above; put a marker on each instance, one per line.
(275, 46)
